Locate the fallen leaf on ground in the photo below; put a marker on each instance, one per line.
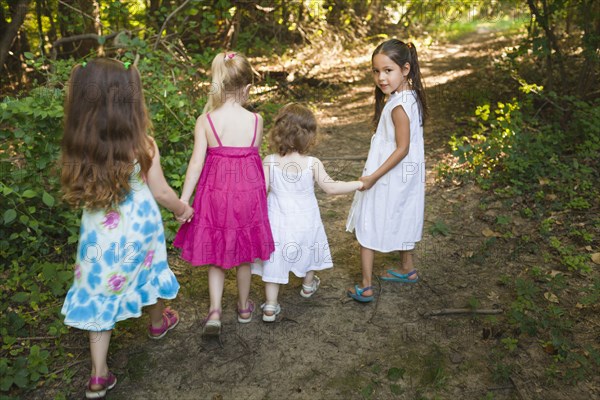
(493, 296)
(554, 272)
(551, 297)
(487, 232)
(596, 258)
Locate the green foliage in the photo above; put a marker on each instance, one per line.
(34, 228)
(569, 257)
(550, 160)
(510, 344)
(439, 227)
(434, 368)
(544, 148)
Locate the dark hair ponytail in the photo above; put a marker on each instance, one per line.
(402, 53)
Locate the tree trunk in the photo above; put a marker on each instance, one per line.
(544, 20)
(38, 17)
(153, 17)
(9, 31)
(52, 35)
(590, 24)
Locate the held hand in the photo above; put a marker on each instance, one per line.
(186, 215)
(367, 181)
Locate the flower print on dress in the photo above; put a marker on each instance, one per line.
(77, 271)
(116, 283)
(111, 219)
(148, 259)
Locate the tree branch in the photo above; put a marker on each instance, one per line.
(458, 311)
(83, 36)
(162, 28)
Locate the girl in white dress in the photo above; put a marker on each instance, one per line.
(301, 245)
(388, 214)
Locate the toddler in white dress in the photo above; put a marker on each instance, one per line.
(301, 244)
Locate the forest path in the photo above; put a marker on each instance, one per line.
(329, 346)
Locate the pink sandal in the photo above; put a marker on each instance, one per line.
(107, 383)
(212, 327)
(249, 310)
(170, 319)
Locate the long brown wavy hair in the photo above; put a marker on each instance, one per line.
(105, 131)
(402, 53)
(294, 129)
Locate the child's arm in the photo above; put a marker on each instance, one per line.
(329, 185)
(267, 170)
(196, 162)
(162, 192)
(402, 133)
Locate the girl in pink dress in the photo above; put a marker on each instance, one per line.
(230, 227)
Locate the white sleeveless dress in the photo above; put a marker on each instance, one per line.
(300, 240)
(389, 216)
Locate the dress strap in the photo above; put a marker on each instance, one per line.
(213, 129)
(255, 127)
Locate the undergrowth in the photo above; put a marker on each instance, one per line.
(539, 152)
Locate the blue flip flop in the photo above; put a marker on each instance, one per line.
(357, 295)
(397, 277)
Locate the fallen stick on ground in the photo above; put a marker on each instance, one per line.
(458, 311)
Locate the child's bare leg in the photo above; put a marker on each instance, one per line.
(156, 313)
(244, 277)
(407, 263)
(367, 256)
(271, 292)
(308, 279)
(216, 280)
(99, 342)
(406, 266)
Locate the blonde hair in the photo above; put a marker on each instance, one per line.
(294, 129)
(105, 130)
(230, 73)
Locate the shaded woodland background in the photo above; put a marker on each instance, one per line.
(534, 135)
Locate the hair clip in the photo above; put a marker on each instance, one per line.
(83, 64)
(126, 64)
(229, 56)
(409, 45)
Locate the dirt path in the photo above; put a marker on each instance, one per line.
(329, 347)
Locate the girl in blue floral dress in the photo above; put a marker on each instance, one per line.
(111, 168)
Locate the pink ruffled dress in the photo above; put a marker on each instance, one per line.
(230, 224)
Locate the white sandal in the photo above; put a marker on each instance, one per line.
(275, 309)
(308, 290)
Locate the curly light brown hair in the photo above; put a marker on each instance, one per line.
(295, 129)
(105, 132)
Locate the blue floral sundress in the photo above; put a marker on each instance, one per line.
(121, 263)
